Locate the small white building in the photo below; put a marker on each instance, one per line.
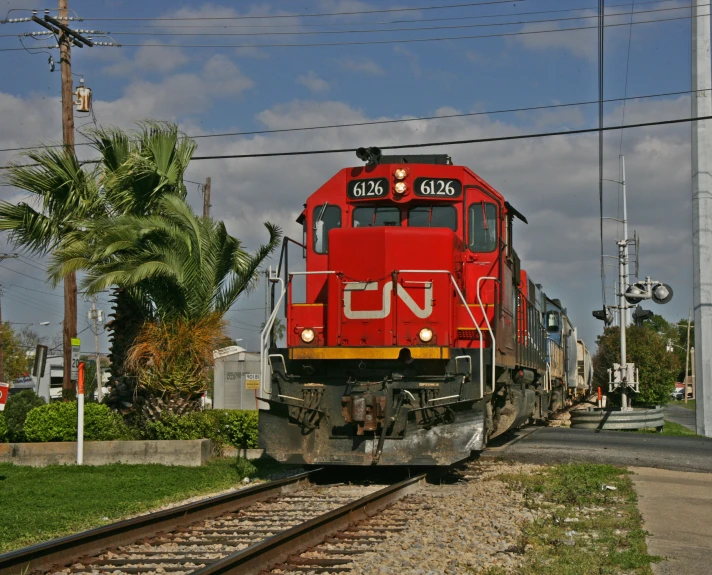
(50, 386)
(236, 378)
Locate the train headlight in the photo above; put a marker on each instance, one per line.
(426, 334)
(400, 188)
(307, 335)
(400, 174)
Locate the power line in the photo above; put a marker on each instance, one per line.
(401, 21)
(312, 15)
(22, 274)
(408, 40)
(428, 144)
(459, 142)
(380, 31)
(380, 122)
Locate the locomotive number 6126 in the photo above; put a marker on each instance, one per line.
(364, 189)
(437, 187)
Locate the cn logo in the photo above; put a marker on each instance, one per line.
(385, 310)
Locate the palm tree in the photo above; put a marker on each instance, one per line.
(62, 193)
(137, 169)
(186, 269)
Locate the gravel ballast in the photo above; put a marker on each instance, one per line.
(464, 527)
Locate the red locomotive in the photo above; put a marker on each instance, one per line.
(413, 335)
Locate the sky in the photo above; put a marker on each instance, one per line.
(244, 66)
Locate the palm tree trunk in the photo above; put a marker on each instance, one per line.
(69, 331)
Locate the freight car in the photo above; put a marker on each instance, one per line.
(413, 334)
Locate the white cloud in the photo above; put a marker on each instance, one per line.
(148, 59)
(363, 66)
(178, 95)
(313, 82)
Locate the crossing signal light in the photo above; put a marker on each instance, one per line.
(604, 315)
(641, 314)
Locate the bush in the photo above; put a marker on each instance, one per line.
(3, 428)
(58, 422)
(16, 410)
(223, 427)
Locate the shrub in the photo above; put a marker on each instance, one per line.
(3, 428)
(223, 427)
(58, 422)
(241, 428)
(16, 410)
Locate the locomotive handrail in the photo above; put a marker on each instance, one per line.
(472, 317)
(489, 326)
(265, 335)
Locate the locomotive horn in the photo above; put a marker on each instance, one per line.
(362, 154)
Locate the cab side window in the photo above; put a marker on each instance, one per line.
(325, 218)
(482, 232)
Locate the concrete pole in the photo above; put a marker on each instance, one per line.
(702, 211)
(626, 277)
(97, 359)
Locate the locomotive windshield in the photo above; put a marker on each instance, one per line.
(433, 217)
(374, 217)
(326, 218)
(483, 227)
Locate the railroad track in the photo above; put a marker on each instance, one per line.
(290, 525)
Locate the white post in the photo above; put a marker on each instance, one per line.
(80, 416)
(626, 277)
(622, 303)
(702, 212)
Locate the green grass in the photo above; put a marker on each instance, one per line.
(670, 428)
(37, 504)
(607, 537)
(689, 405)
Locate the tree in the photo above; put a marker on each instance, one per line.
(136, 171)
(62, 193)
(658, 368)
(278, 329)
(15, 361)
(186, 269)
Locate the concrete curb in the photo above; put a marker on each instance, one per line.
(191, 453)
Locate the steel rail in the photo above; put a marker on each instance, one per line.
(64, 550)
(280, 547)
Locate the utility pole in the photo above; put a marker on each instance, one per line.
(2, 351)
(702, 212)
(95, 314)
(69, 327)
(206, 198)
(687, 352)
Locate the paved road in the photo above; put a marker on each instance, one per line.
(676, 507)
(681, 415)
(561, 445)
